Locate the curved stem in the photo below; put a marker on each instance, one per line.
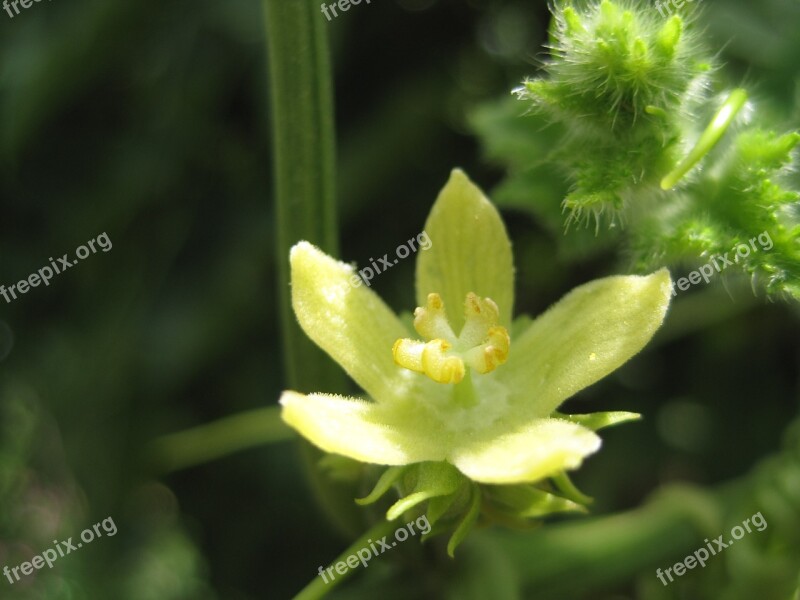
(719, 124)
(608, 549)
(318, 588)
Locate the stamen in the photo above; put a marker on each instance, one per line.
(488, 356)
(479, 315)
(431, 322)
(429, 358)
(482, 344)
(438, 366)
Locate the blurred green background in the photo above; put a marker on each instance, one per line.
(150, 122)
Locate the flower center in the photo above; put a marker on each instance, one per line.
(482, 344)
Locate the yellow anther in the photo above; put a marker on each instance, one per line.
(408, 353)
(482, 344)
(440, 367)
(430, 358)
(493, 353)
(431, 321)
(479, 315)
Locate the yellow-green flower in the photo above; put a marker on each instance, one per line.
(468, 396)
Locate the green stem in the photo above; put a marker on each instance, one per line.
(606, 550)
(609, 550)
(300, 88)
(304, 156)
(215, 440)
(318, 588)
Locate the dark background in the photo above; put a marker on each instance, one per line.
(149, 121)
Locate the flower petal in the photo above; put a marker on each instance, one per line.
(530, 453)
(357, 429)
(586, 335)
(352, 324)
(470, 252)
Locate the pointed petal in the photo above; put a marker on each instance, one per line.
(470, 252)
(601, 420)
(531, 502)
(586, 335)
(569, 490)
(357, 429)
(438, 506)
(467, 523)
(351, 323)
(383, 485)
(434, 479)
(537, 450)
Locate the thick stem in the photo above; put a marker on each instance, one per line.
(300, 87)
(605, 550)
(304, 157)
